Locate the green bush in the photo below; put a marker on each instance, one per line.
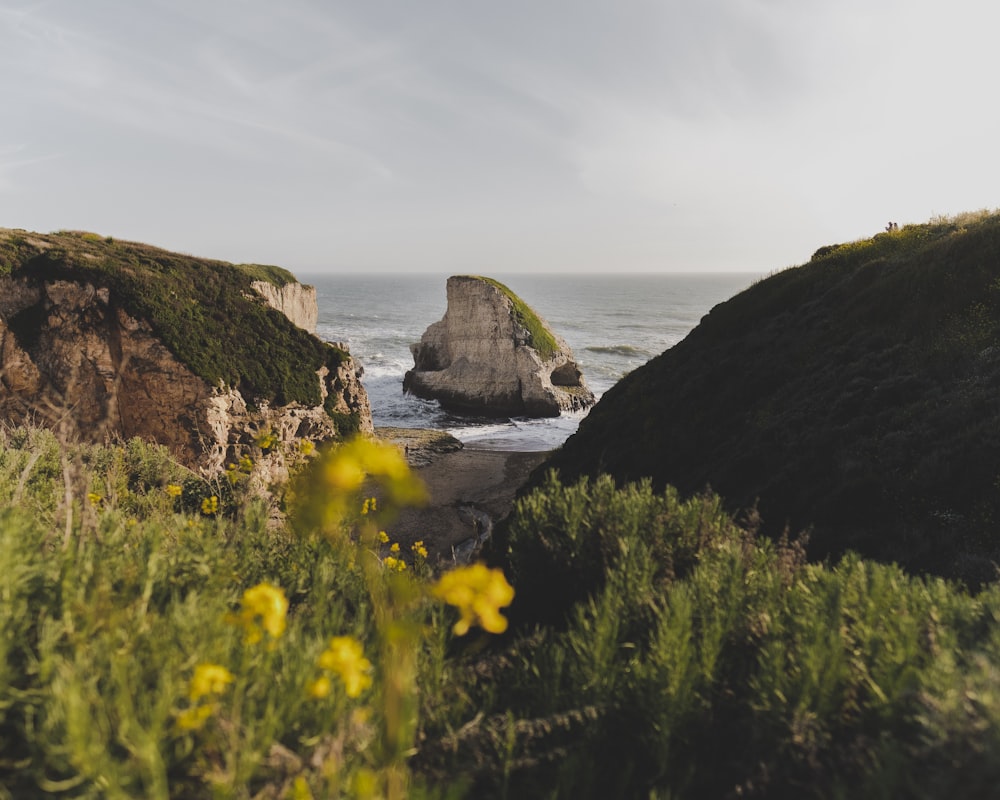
(657, 648)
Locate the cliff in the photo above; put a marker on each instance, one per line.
(295, 300)
(855, 396)
(103, 338)
(491, 354)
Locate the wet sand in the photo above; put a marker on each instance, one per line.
(460, 481)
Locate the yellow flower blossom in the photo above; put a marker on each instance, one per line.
(394, 564)
(194, 718)
(94, 498)
(306, 447)
(418, 549)
(320, 688)
(263, 611)
(173, 490)
(370, 506)
(349, 465)
(209, 680)
(345, 658)
(246, 464)
(383, 537)
(210, 506)
(478, 593)
(394, 548)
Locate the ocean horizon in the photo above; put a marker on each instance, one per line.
(613, 323)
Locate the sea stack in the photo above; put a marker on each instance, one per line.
(493, 355)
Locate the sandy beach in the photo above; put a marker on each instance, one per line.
(461, 481)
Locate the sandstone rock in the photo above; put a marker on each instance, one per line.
(294, 300)
(74, 356)
(491, 354)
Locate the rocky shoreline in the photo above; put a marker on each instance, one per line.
(463, 483)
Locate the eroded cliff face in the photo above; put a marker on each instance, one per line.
(72, 358)
(481, 359)
(295, 300)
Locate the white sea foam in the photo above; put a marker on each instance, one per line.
(614, 324)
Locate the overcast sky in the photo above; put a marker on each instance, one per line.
(523, 135)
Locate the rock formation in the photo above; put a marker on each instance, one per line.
(491, 354)
(102, 339)
(295, 300)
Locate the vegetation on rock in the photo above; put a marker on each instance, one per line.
(854, 395)
(541, 337)
(204, 311)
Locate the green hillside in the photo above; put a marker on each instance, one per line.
(205, 311)
(855, 395)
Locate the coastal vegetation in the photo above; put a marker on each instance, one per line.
(628, 633)
(204, 311)
(541, 337)
(853, 395)
(154, 643)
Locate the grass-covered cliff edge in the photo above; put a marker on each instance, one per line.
(542, 339)
(205, 311)
(855, 394)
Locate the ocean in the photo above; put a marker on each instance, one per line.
(613, 324)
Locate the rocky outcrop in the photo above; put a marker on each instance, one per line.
(76, 356)
(491, 354)
(295, 300)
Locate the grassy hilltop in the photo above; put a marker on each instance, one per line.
(203, 310)
(855, 395)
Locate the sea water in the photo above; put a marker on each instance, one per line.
(613, 324)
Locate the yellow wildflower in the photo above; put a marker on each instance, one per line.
(394, 548)
(94, 498)
(246, 464)
(345, 657)
(264, 610)
(320, 687)
(266, 441)
(394, 564)
(369, 506)
(208, 680)
(194, 718)
(173, 490)
(306, 447)
(418, 549)
(350, 463)
(210, 506)
(478, 593)
(383, 537)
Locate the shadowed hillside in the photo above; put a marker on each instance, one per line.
(856, 394)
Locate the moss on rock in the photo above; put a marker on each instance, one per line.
(541, 337)
(205, 311)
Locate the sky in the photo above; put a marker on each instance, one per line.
(516, 136)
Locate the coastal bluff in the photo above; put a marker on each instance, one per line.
(853, 396)
(102, 339)
(493, 355)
